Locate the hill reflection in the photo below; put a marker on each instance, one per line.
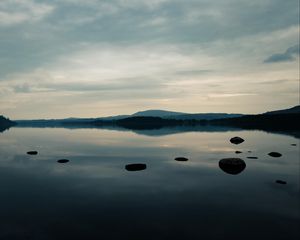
(162, 131)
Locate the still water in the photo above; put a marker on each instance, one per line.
(93, 196)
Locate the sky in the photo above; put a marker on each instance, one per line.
(92, 58)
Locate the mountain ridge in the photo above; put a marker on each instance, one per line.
(146, 113)
(295, 109)
(172, 115)
(156, 113)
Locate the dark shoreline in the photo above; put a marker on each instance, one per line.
(286, 124)
(282, 122)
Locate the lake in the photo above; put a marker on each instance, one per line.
(93, 196)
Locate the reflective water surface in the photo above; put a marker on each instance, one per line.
(95, 196)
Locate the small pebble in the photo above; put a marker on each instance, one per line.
(236, 140)
(62, 160)
(280, 182)
(275, 154)
(32, 152)
(181, 159)
(135, 167)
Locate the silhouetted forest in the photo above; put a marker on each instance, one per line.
(149, 123)
(5, 123)
(268, 122)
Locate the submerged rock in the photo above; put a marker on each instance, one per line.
(238, 152)
(249, 151)
(63, 160)
(236, 140)
(181, 159)
(281, 182)
(293, 144)
(252, 157)
(32, 152)
(232, 165)
(275, 154)
(135, 167)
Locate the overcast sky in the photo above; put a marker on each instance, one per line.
(88, 58)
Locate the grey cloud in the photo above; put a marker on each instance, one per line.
(80, 87)
(71, 23)
(22, 88)
(129, 85)
(194, 72)
(278, 81)
(289, 55)
(16, 12)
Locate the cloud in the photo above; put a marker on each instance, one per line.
(229, 95)
(289, 55)
(144, 54)
(195, 72)
(66, 24)
(14, 12)
(109, 67)
(74, 87)
(278, 81)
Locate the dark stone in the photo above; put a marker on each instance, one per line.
(32, 152)
(275, 154)
(62, 160)
(281, 182)
(232, 165)
(252, 157)
(135, 167)
(236, 140)
(294, 144)
(181, 159)
(238, 152)
(249, 151)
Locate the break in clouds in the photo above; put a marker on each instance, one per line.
(86, 58)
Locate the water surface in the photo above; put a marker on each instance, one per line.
(93, 196)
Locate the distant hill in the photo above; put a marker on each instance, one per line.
(183, 116)
(148, 113)
(267, 122)
(295, 109)
(287, 119)
(114, 117)
(156, 113)
(282, 121)
(205, 116)
(61, 122)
